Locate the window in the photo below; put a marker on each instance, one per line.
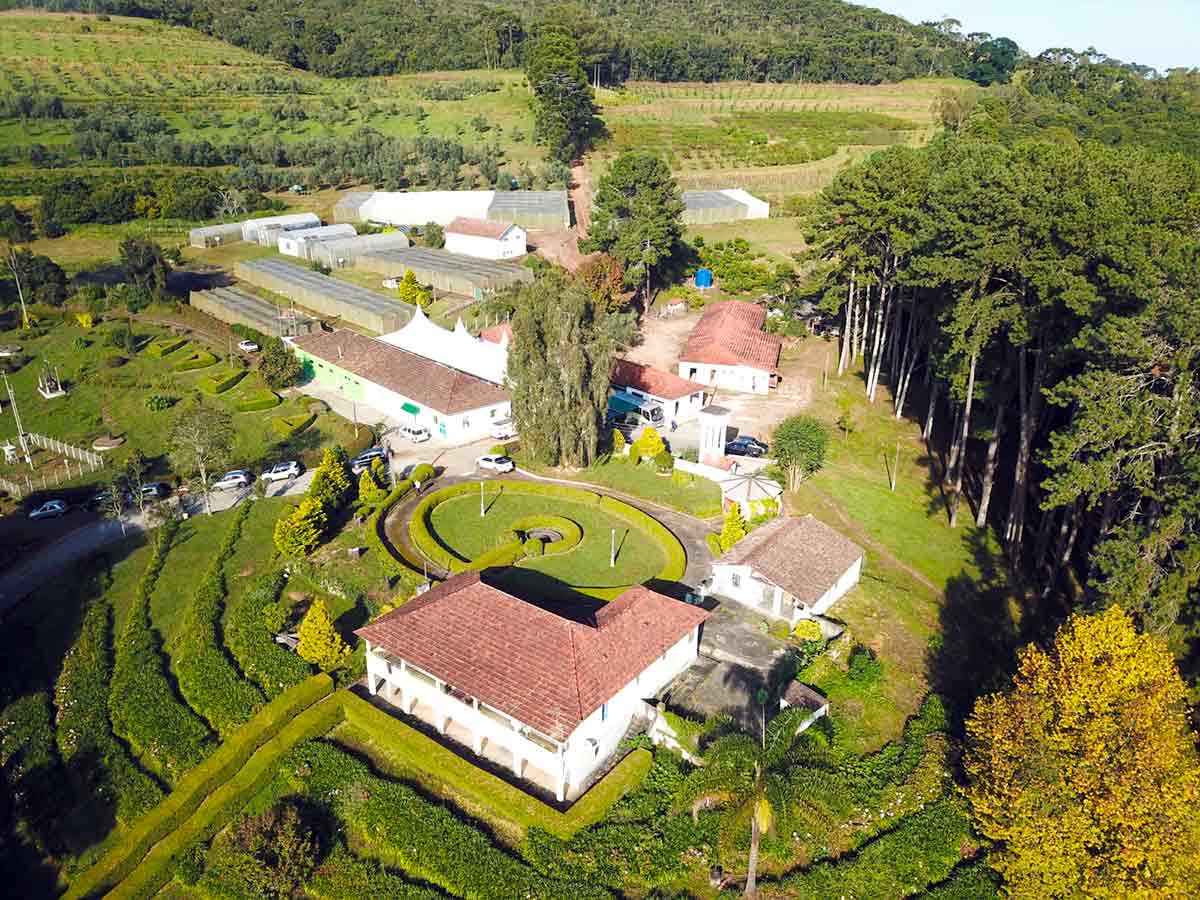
(735, 580)
(604, 712)
(466, 422)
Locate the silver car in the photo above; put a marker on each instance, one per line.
(238, 478)
(283, 471)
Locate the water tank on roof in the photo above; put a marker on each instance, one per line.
(704, 278)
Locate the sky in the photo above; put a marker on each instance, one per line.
(1159, 33)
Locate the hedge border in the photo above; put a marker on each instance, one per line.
(258, 401)
(220, 382)
(424, 539)
(165, 347)
(198, 786)
(288, 427)
(201, 359)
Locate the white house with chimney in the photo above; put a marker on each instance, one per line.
(548, 697)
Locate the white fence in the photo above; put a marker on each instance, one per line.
(93, 460)
(12, 487)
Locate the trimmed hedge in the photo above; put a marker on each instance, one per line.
(273, 667)
(165, 347)
(220, 382)
(208, 680)
(714, 544)
(571, 533)
(971, 881)
(344, 876)
(199, 359)
(423, 538)
(287, 427)
(82, 726)
(922, 850)
(415, 751)
(142, 703)
(376, 540)
(425, 839)
(257, 401)
(163, 823)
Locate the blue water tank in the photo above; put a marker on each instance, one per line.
(704, 278)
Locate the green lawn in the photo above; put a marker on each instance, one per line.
(457, 524)
(701, 498)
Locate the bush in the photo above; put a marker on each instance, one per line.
(114, 362)
(865, 668)
(287, 427)
(158, 403)
(320, 642)
(258, 401)
(423, 472)
(681, 478)
(807, 630)
(734, 527)
(664, 462)
(273, 667)
(220, 382)
(533, 547)
(198, 359)
(648, 445)
(83, 731)
(714, 544)
(209, 682)
(618, 442)
(164, 347)
(297, 534)
(498, 449)
(343, 876)
(142, 704)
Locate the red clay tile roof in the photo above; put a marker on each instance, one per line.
(496, 332)
(802, 555)
(548, 672)
(648, 380)
(730, 334)
(431, 384)
(478, 227)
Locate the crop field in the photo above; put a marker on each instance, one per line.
(209, 89)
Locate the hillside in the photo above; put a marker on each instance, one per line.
(662, 40)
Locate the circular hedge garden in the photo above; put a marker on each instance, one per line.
(547, 535)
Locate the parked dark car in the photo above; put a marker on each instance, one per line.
(744, 445)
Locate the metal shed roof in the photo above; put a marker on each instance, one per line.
(710, 200)
(343, 291)
(507, 203)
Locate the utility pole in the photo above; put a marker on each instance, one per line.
(16, 273)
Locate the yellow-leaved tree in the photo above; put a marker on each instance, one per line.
(320, 643)
(1085, 772)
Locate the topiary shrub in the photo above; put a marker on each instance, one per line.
(534, 547)
(157, 402)
(288, 427)
(258, 401)
(664, 462)
(220, 382)
(807, 630)
(423, 472)
(200, 359)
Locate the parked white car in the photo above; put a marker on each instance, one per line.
(504, 430)
(248, 346)
(495, 462)
(238, 478)
(415, 433)
(282, 471)
(51, 509)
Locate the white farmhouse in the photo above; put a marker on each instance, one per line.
(485, 239)
(789, 568)
(728, 349)
(456, 406)
(679, 398)
(549, 697)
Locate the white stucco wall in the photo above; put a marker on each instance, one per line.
(741, 584)
(848, 580)
(465, 427)
(596, 738)
(731, 378)
(510, 246)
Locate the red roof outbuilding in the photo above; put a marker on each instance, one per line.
(544, 670)
(628, 374)
(730, 334)
(478, 227)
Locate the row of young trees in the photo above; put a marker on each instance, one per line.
(1046, 295)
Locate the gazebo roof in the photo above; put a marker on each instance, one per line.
(750, 487)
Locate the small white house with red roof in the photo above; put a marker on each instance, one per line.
(547, 696)
(485, 238)
(729, 349)
(679, 398)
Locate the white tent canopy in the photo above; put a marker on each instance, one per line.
(454, 348)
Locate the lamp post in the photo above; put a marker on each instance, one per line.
(612, 550)
(481, 498)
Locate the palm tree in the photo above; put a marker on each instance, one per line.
(746, 777)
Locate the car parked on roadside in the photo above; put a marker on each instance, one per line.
(415, 433)
(744, 445)
(495, 462)
(282, 471)
(104, 499)
(51, 509)
(363, 461)
(248, 346)
(237, 478)
(156, 490)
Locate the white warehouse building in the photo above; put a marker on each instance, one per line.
(485, 239)
(550, 698)
(296, 243)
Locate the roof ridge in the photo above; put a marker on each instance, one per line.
(578, 693)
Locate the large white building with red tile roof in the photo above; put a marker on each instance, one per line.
(728, 349)
(679, 398)
(547, 696)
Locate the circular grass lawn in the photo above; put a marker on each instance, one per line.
(448, 528)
